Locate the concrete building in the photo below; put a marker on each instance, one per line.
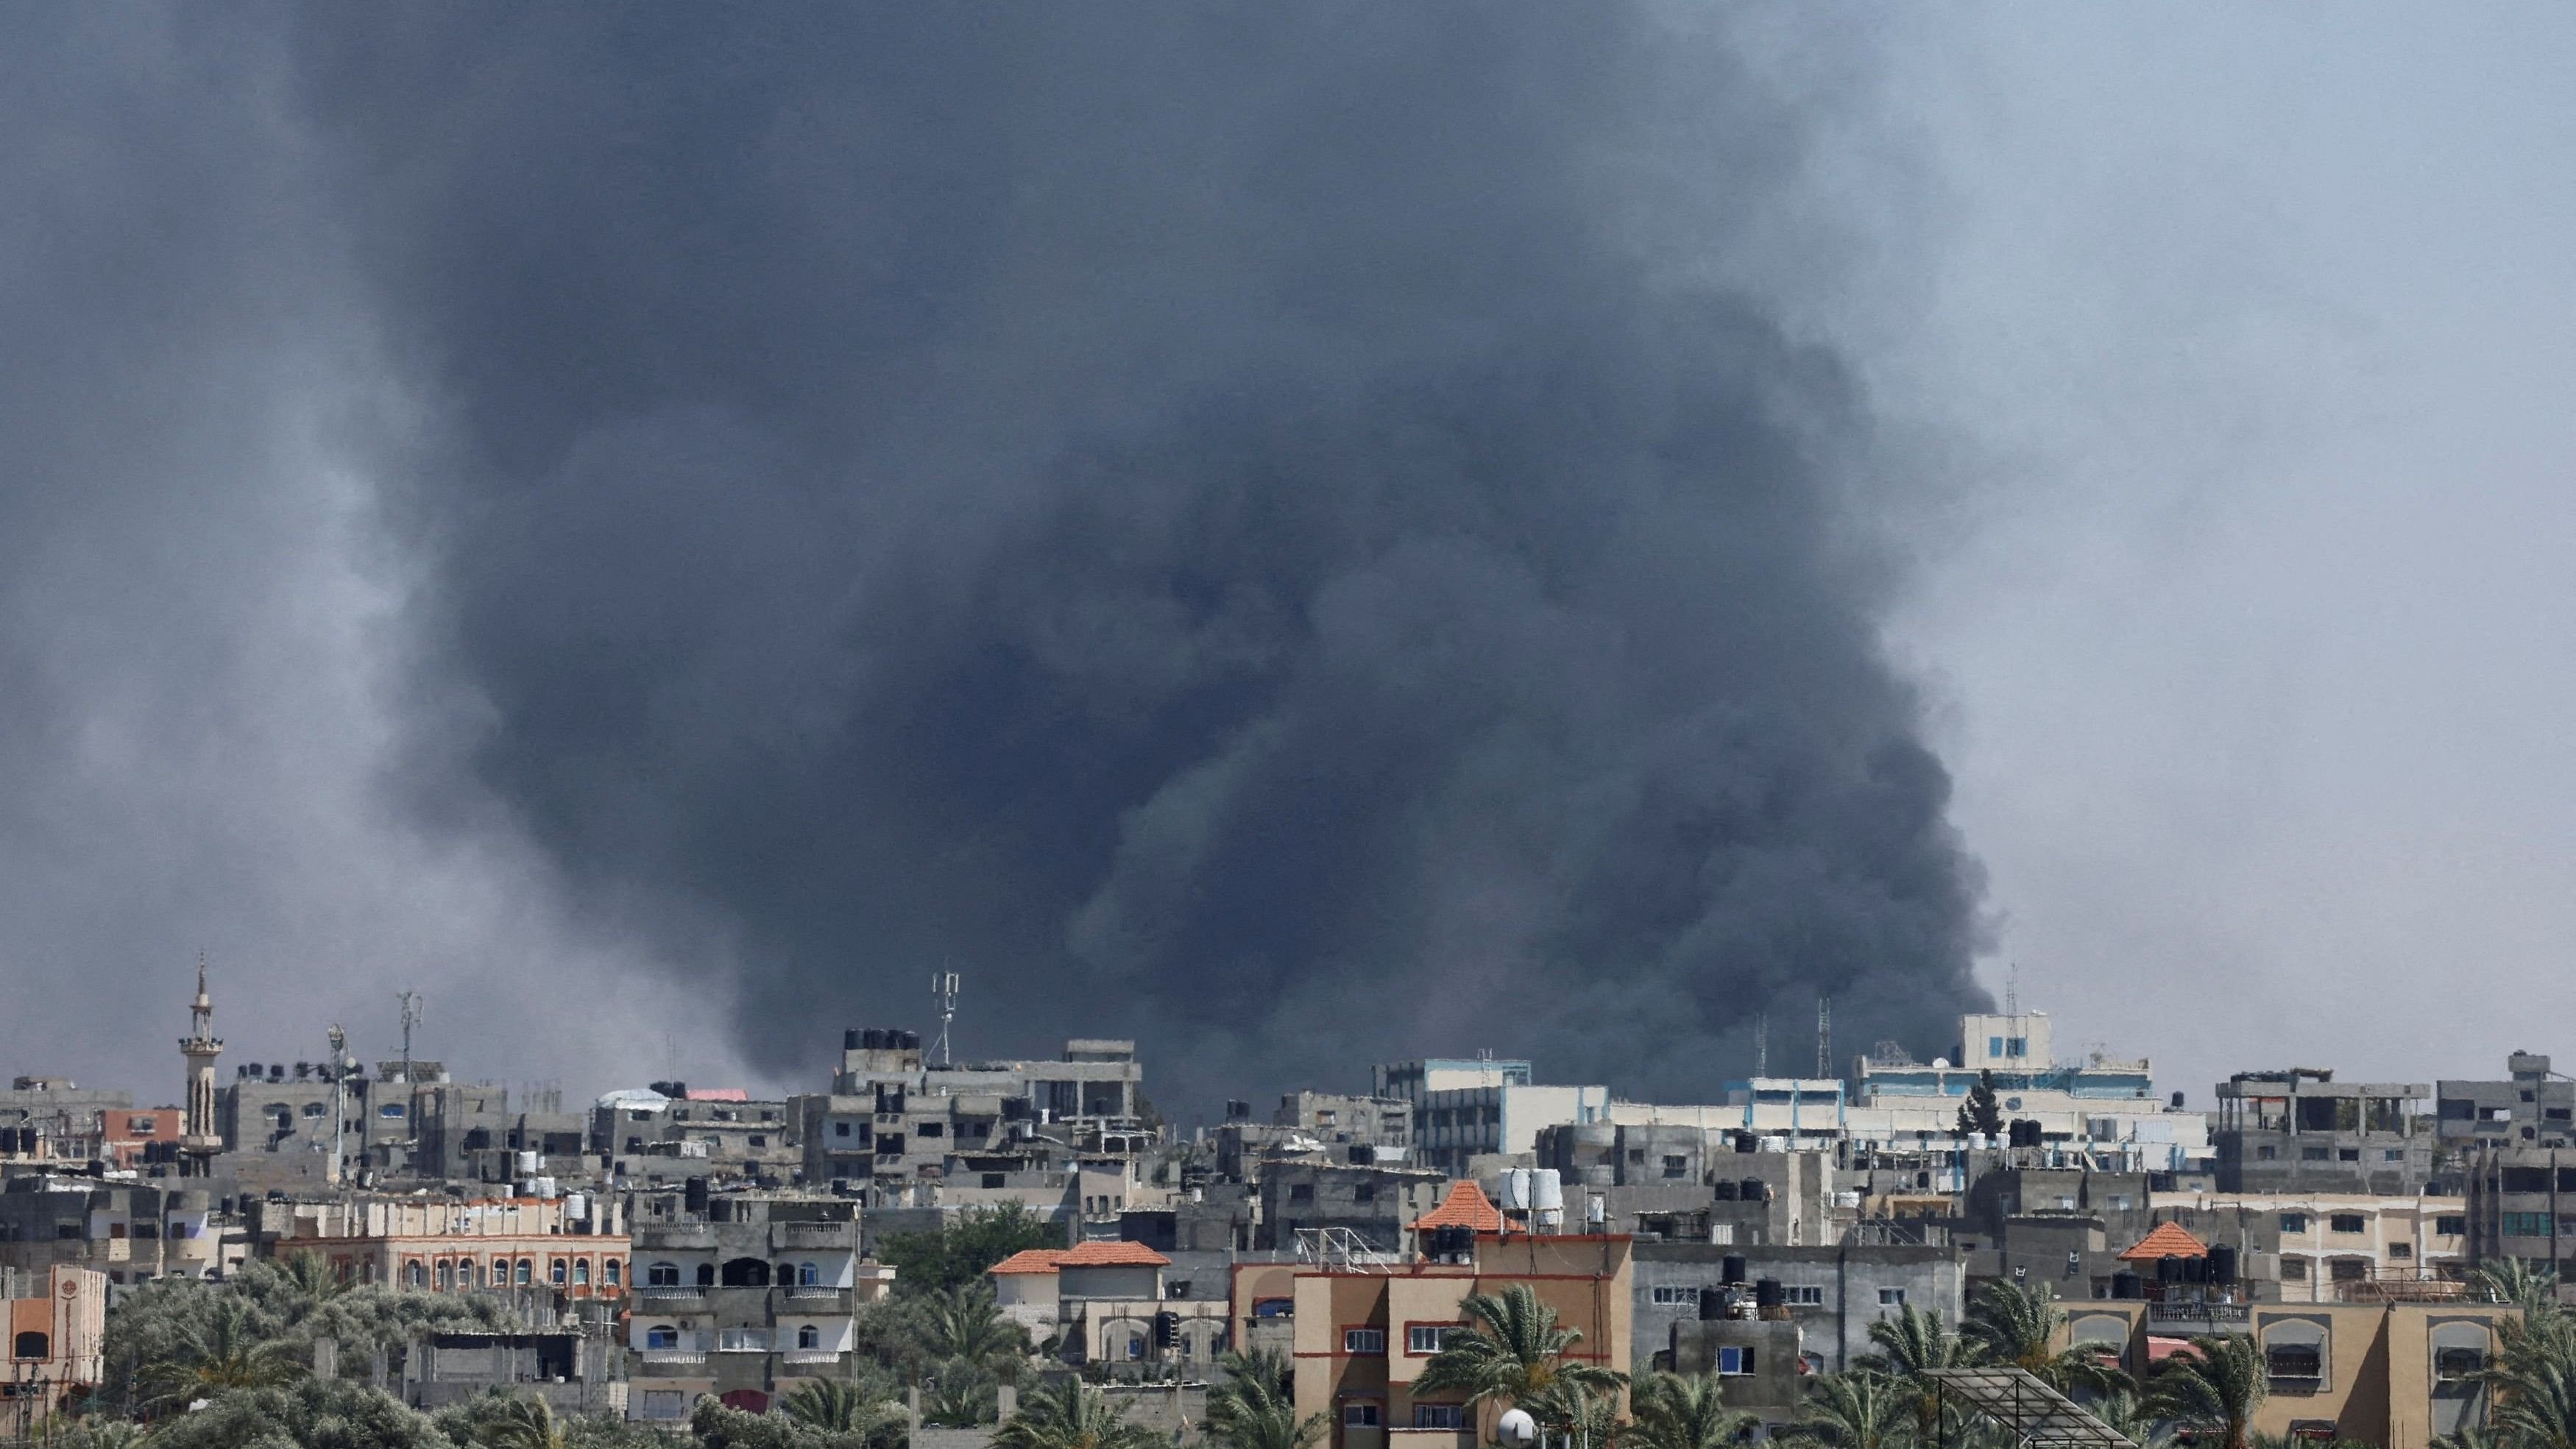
(576, 1375)
(893, 1121)
(1832, 1294)
(2300, 1130)
(124, 1232)
(2521, 1203)
(1761, 1363)
(541, 1250)
(658, 1139)
(2397, 1375)
(50, 1120)
(744, 1296)
(2330, 1247)
(2104, 1107)
(2531, 1107)
(1111, 1303)
(1375, 1205)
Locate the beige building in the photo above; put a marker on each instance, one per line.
(57, 1338)
(1105, 1303)
(1362, 1333)
(2397, 1375)
(575, 1246)
(2330, 1247)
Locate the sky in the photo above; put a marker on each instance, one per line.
(2198, 392)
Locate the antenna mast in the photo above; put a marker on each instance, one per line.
(943, 989)
(2012, 989)
(1762, 1044)
(411, 1017)
(339, 1095)
(1824, 1037)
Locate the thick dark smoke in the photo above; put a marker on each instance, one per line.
(1249, 525)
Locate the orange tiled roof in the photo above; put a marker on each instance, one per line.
(1029, 1260)
(1109, 1255)
(2169, 1240)
(1466, 1206)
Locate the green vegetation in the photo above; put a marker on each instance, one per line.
(1511, 1352)
(956, 1256)
(1254, 1406)
(1073, 1415)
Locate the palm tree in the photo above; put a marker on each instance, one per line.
(1685, 1411)
(1075, 1416)
(836, 1406)
(310, 1275)
(220, 1354)
(1510, 1350)
(522, 1424)
(1570, 1411)
(2211, 1385)
(1911, 1343)
(1857, 1410)
(2127, 1416)
(2517, 1281)
(2018, 1326)
(962, 1322)
(1255, 1407)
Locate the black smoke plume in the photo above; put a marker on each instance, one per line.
(1266, 528)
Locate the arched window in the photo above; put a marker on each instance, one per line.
(809, 1336)
(746, 1273)
(807, 1275)
(706, 1275)
(31, 1344)
(661, 1335)
(527, 1271)
(416, 1273)
(446, 1275)
(2294, 1355)
(662, 1275)
(555, 1271)
(581, 1272)
(608, 1271)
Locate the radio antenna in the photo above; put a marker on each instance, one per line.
(943, 989)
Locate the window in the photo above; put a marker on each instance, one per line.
(415, 1273)
(1676, 1166)
(2392, 1154)
(807, 1275)
(2294, 1222)
(1365, 1192)
(662, 1275)
(759, 1141)
(1671, 1297)
(1994, 1046)
(2346, 1223)
(1363, 1340)
(608, 1271)
(1301, 1192)
(581, 1272)
(2016, 1046)
(2526, 1225)
(2401, 1250)
(1805, 1295)
(1439, 1416)
(2451, 1225)
(2299, 1362)
(2351, 1270)
(667, 1405)
(931, 1129)
(31, 1344)
(2294, 1270)
(446, 1275)
(1360, 1414)
(2263, 1153)
(390, 1109)
(1135, 1345)
(744, 1340)
(840, 1129)
(311, 1109)
(1735, 1360)
(1274, 1307)
(1891, 1297)
(808, 1336)
(555, 1271)
(2454, 1365)
(661, 1335)
(527, 1270)
(1425, 1338)
(2348, 1154)
(2314, 1154)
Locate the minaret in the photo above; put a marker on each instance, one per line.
(198, 1139)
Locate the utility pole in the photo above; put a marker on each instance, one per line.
(1824, 1037)
(411, 1017)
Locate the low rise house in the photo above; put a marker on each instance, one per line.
(1109, 1302)
(57, 1325)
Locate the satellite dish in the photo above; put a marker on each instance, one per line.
(1516, 1429)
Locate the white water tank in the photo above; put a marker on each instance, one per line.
(1516, 1189)
(527, 1164)
(1547, 1191)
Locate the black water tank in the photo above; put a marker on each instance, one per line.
(2168, 1269)
(26, 1141)
(1725, 1191)
(1712, 1304)
(1767, 1293)
(2222, 1265)
(1731, 1268)
(696, 1195)
(1167, 1329)
(2125, 1286)
(1744, 1142)
(1754, 1190)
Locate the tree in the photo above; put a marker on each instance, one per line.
(2516, 1281)
(310, 1414)
(1569, 1411)
(2011, 1324)
(519, 1423)
(2211, 1386)
(1677, 1411)
(841, 1406)
(1861, 1409)
(1074, 1416)
(963, 1323)
(960, 1253)
(1909, 1344)
(1981, 1112)
(2128, 1416)
(1511, 1349)
(1255, 1406)
(223, 1351)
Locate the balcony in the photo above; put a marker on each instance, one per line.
(809, 1358)
(834, 1237)
(670, 1300)
(651, 1237)
(671, 1363)
(2196, 1320)
(815, 1299)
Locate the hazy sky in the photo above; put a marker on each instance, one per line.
(2235, 350)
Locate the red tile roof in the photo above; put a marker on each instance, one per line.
(1110, 1255)
(1030, 1260)
(1466, 1206)
(2169, 1240)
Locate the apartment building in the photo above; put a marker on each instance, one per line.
(894, 1120)
(1374, 1205)
(57, 1322)
(2300, 1130)
(1110, 1302)
(664, 1135)
(1832, 1294)
(743, 1296)
(2521, 1203)
(2102, 1107)
(2330, 1247)
(126, 1233)
(2531, 1107)
(544, 1250)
